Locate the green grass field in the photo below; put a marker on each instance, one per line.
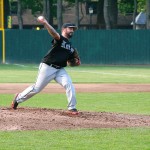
(91, 139)
(132, 103)
(83, 139)
(84, 74)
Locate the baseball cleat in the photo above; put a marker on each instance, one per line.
(73, 112)
(14, 103)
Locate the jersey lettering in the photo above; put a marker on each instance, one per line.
(67, 46)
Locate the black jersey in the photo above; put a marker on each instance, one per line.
(60, 52)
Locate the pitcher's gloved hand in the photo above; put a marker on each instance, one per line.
(74, 60)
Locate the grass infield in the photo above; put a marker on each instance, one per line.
(131, 103)
(91, 139)
(84, 74)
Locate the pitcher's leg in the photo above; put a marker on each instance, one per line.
(64, 79)
(45, 75)
(70, 93)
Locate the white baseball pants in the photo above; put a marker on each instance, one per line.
(45, 75)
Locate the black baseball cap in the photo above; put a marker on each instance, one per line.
(69, 25)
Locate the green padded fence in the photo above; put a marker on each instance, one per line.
(114, 46)
(26, 46)
(94, 46)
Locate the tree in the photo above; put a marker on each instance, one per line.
(59, 13)
(46, 6)
(110, 13)
(134, 14)
(135, 7)
(19, 14)
(34, 5)
(7, 12)
(77, 12)
(125, 6)
(77, 15)
(51, 12)
(141, 5)
(148, 13)
(100, 14)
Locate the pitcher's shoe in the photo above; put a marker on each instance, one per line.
(14, 103)
(73, 112)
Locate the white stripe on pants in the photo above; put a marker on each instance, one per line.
(45, 75)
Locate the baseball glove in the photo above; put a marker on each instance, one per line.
(74, 60)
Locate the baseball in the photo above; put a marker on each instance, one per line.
(40, 18)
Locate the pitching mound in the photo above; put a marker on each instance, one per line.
(49, 119)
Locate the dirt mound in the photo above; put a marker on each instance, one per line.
(51, 119)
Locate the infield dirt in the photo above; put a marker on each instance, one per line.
(52, 119)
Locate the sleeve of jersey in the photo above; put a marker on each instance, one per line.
(54, 41)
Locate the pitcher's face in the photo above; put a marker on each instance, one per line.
(69, 31)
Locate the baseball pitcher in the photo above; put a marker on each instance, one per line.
(52, 66)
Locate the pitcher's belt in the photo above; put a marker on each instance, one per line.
(54, 66)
